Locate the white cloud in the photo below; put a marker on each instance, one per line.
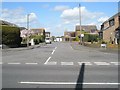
(18, 17)
(103, 19)
(72, 15)
(61, 8)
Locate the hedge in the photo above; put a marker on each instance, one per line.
(11, 36)
(38, 38)
(91, 37)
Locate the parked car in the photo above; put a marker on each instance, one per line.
(48, 40)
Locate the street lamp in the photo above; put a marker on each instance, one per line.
(28, 29)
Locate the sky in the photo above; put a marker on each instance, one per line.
(57, 17)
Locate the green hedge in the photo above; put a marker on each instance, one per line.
(38, 38)
(11, 36)
(91, 37)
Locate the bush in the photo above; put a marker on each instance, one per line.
(11, 36)
(38, 38)
(90, 38)
(77, 38)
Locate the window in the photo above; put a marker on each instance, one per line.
(102, 27)
(111, 22)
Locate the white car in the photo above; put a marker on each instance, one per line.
(48, 40)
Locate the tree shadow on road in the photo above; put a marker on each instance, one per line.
(79, 85)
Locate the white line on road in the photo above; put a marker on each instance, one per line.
(115, 63)
(66, 63)
(51, 63)
(1, 62)
(53, 52)
(55, 48)
(47, 60)
(101, 63)
(14, 63)
(70, 83)
(86, 63)
(71, 47)
(31, 63)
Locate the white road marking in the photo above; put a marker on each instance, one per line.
(47, 60)
(66, 63)
(1, 62)
(55, 48)
(31, 63)
(70, 83)
(53, 52)
(51, 63)
(106, 53)
(71, 47)
(115, 63)
(86, 63)
(101, 63)
(14, 63)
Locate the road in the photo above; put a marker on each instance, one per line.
(59, 65)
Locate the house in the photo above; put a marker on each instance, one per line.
(110, 29)
(39, 31)
(47, 34)
(91, 29)
(58, 39)
(69, 36)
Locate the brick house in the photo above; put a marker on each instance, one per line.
(70, 36)
(110, 29)
(91, 29)
(47, 34)
(39, 31)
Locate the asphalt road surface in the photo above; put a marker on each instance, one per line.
(59, 65)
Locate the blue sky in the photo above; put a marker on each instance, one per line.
(58, 17)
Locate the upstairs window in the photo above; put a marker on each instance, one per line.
(111, 22)
(102, 27)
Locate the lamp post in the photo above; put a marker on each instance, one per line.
(28, 29)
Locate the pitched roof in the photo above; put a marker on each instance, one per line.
(39, 30)
(2, 22)
(118, 14)
(86, 28)
(69, 33)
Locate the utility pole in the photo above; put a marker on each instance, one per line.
(80, 21)
(28, 29)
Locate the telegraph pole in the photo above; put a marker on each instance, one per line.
(28, 29)
(80, 21)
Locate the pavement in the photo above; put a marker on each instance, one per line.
(24, 48)
(60, 65)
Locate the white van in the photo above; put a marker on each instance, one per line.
(48, 40)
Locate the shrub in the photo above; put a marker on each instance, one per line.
(38, 38)
(11, 36)
(77, 38)
(90, 37)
